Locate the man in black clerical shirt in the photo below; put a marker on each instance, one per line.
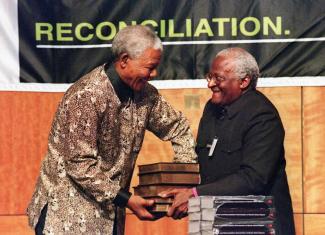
(240, 141)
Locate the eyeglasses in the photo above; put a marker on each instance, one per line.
(212, 77)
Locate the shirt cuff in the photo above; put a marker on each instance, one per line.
(122, 198)
(195, 192)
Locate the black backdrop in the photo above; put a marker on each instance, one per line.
(299, 19)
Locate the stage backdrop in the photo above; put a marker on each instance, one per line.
(46, 45)
(52, 42)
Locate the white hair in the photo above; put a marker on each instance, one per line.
(134, 40)
(245, 63)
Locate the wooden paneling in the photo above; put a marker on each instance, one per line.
(299, 224)
(26, 118)
(163, 226)
(11, 225)
(314, 149)
(314, 224)
(288, 102)
(15, 225)
(24, 126)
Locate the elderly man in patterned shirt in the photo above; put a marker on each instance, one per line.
(96, 136)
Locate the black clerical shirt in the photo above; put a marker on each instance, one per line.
(248, 158)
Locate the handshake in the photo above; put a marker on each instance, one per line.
(164, 190)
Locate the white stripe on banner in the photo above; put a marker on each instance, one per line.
(173, 84)
(9, 47)
(279, 40)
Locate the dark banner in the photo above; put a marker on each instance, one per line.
(60, 40)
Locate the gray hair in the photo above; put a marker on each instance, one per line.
(245, 63)
(134, 40)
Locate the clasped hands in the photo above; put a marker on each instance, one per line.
(178, 209)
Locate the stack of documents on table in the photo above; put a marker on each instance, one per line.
(231, 215)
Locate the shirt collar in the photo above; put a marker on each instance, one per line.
(123, 91)
(232, 109)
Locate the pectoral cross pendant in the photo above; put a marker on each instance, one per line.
(212, 146)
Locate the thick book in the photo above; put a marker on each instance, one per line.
(232, 214)
(169, 167)
(216, 201)
(160, 200)
(245, 207)
(170, 178)
(152, 190)
(245, 228)
(236, 211)
(267, 200)
(159, 208)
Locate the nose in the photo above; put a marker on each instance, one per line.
(153, 73)
(212, 83)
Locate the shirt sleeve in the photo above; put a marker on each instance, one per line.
(84, 166)
(170, 125)
(261, 158)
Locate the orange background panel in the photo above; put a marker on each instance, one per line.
(314, 149)
(299, 224)
(25, 122)
(288, 102)
(314, 224)
(163, 226)
(26, 118)
(11, 225)
(15, 225)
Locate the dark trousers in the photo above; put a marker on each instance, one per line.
(41, 223)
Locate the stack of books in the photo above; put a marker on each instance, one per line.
(158, 177)
(231, 215)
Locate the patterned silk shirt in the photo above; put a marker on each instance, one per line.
(92, 148)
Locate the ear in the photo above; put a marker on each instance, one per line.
(244, 83)
(123, 60)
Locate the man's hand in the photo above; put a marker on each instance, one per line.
(138, 205)
(180, 204)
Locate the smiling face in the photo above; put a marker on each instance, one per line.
(228, 86)
(138, 71)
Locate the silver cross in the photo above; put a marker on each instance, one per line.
(212, 146)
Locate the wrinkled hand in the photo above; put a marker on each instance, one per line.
(179, 207)
(138, 205)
